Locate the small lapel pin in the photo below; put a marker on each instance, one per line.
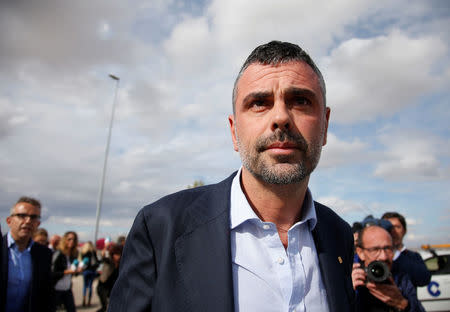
(340, 260)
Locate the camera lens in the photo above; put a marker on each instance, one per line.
(378, 271)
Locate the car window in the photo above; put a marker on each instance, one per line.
(438, 265)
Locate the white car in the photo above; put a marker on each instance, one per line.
(436, 295)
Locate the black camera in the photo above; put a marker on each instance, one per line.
(377, 271)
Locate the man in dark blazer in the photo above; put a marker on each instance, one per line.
(256, 241)
(31, 289)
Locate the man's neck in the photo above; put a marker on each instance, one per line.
(279, 204)
(21, 243)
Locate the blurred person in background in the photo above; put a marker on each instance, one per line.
(405, 260)
(54, 242)
(90, 264)
(41, 236)
(396, 293)
(356, 229)
(64, 265)
(121, 240)
(106, 247)
(108, 277)
(25, 266)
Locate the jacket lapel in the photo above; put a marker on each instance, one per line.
(203, 253)
(331, 263)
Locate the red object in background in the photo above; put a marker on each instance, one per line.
(100, 244)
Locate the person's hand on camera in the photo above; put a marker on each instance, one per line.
(388, 293)
(358, 275)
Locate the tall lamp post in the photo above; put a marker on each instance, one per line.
(102, 182)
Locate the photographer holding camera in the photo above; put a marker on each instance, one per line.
(377, 289)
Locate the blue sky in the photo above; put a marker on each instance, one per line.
(386, 66)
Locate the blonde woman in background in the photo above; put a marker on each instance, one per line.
(89, 263)
(64, 265)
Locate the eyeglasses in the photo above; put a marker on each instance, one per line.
(23, 216)
(375, 251)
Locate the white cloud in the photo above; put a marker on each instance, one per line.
(11, 116)
(339, 152)
(377, 77)
(343, 206)
(409, 154)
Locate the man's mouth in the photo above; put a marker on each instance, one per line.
(282, 142)
(283, 145)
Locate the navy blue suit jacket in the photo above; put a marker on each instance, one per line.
(177, 255)
(411, 263)
(41, 289)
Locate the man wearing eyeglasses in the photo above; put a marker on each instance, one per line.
(397, 293)
(406, 260)
(25, 272)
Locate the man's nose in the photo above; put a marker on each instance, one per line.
(281, 116)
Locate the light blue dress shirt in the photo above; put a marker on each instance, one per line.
(266, 276)
(20, 271)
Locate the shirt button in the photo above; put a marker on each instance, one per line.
(280, 260)
(292, 239)
(266, 226)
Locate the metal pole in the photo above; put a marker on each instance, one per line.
(102, 182)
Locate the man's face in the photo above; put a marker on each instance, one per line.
(22, 228)
(54, 240)
(355, 238)
(398, 231)
(280, 121)
(374, 238)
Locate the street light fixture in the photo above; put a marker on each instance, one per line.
(102, 182)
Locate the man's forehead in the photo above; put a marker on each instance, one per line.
(394, 220)
(22, 206)
(257, 71)
(263, 78)
(376, 234)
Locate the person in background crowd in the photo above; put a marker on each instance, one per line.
(405, 260)
(356, 228)
(54, 242)
(106, 247)
(41, 236)
(89, 264)
(63, 267)
(370, 220)
(25, 271)
(109, 274)
(121, 240)
(397, 293)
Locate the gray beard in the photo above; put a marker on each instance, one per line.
(297, 172)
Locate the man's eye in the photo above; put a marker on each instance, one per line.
(301, 101)
(258, 103)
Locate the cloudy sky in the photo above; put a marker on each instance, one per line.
(386, 65)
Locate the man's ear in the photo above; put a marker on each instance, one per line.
(233, 132)
(360, 253)
(327, 119)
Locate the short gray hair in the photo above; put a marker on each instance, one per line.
(29, 200)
